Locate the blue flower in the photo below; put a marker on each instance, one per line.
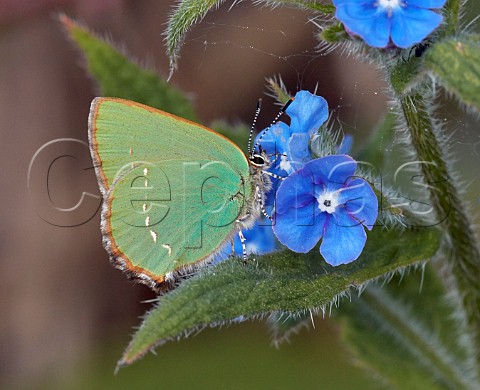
(405, 22)
(288, 144)
(259, 240)
(325, 200)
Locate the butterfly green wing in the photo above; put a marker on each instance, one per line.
(172, 189)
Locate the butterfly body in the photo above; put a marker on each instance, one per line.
(174, 192)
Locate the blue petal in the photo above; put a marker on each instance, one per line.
(343, 240)
(259, 239)
(360, 202)
(298, 152)
(365, 20)
(307, 112)
(299, 229)
(426, 3)
(331, 171)
(411, 25)
(297, 190)
(273, 141)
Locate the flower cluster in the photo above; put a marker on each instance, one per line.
(320, 198)
(288, 144)
(379, 22)
(325, 200)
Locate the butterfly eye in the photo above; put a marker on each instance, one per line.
(257, 159)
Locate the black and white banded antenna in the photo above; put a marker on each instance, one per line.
(280, 113)
(257, 112)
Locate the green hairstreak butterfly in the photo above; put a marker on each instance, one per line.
(174, 192)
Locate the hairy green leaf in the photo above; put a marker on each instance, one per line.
(461, 254)
(455, 62)
(186, 14)
(333, 34)
(118, 76)
(283, 281)
(278, 90)
(391, 331)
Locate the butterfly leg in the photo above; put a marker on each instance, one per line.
(260, 200)
(274, 175)
(244, 247)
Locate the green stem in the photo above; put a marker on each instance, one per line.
(463, 256)
(399, 323)
(452, 17)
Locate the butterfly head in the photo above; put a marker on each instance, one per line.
(259, 160)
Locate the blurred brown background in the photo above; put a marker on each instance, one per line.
(61, 301)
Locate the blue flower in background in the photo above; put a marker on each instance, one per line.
(405, 22)
(288, 145)
(324, 200)
(259, 240)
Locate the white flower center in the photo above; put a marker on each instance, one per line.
(328, 201)
(389, 5)
(285, 164)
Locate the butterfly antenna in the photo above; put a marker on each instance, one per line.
(280, 113)
(257, 112)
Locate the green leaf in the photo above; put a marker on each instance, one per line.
(455, 62)
(424, 294)
(283, 281)
(393, 330)
(333, 34)
(277, 89)
(460, 253)
(186, 14)
(118, 76)
(382, 359)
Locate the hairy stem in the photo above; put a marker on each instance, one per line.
(452, 17)
(462, 256)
